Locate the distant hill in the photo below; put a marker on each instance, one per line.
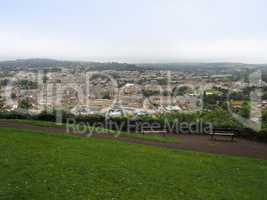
(173, 66)
(37, 64)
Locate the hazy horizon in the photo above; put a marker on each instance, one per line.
(135, 31)
(129, 62)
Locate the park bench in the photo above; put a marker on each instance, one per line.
(153, 130)
(223, 132)
(147, 128)
(162, 132)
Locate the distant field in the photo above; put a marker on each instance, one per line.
(45, 166)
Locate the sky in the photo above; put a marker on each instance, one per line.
(135, 30)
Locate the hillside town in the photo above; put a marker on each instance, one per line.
(116, 92)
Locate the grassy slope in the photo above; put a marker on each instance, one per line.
(157, 138)
(43, 166)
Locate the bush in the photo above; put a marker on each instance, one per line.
(46, 116)
(14, 115)
(90, 119)
(220, 119)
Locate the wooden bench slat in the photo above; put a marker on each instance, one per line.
(154, 131)
(223, 134)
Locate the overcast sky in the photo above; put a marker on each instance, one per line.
(135, 30)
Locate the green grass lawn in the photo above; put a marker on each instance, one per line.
(157, 138)
(42, 166)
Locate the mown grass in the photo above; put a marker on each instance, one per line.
(42, 166)
(99, 130)
(38, 123)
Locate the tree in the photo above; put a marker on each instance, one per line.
(13, 95)
(25, 104)
(182, 90)
(245, 110)
(2, 102)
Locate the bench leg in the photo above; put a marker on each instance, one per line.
(211, 137)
